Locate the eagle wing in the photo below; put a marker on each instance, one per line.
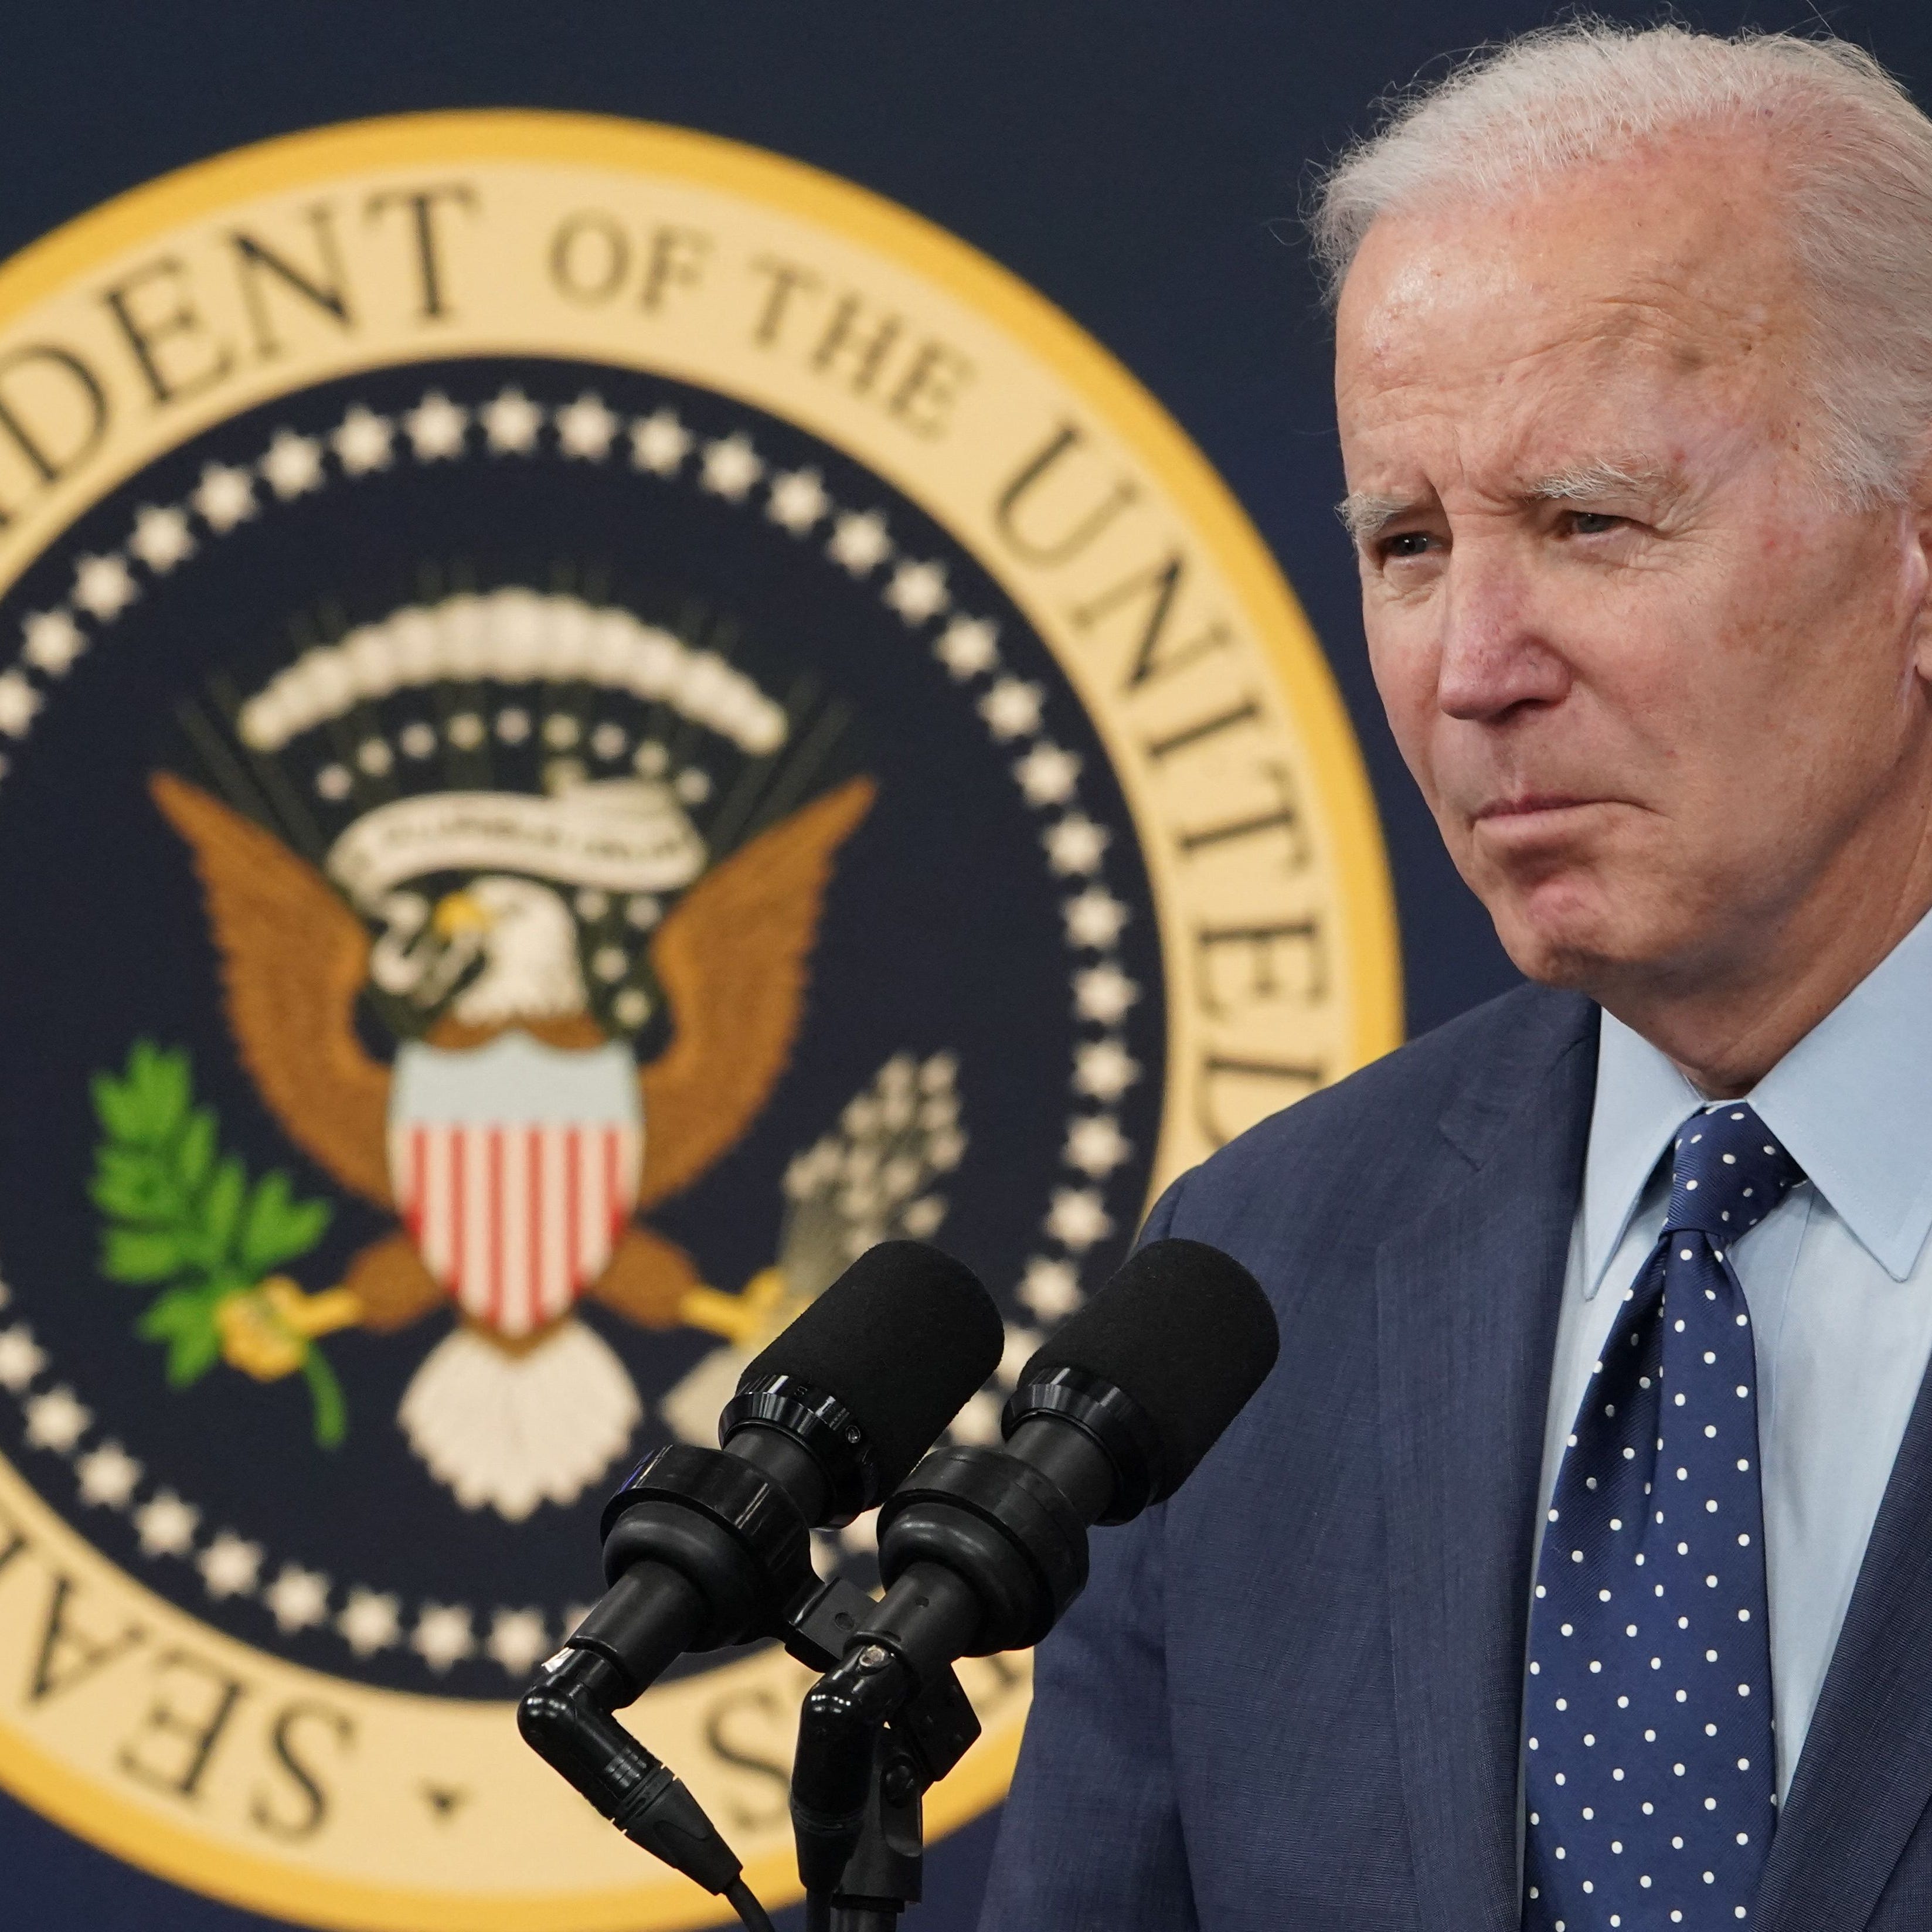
(731, 958)
(294, 958)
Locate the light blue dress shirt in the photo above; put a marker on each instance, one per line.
(1839, 1281)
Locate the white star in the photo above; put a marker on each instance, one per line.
(1075, 844)
(966, 646)
(610, 963)
(1077, 1219)
(731, 466)
(293, 464)
(1104, 993)
(166, 1526)
(374, 756)
(517, 1640)
(442, 1635)
(21, 1358)
(161, 538)
(370, 1623)
(298, 1598)
(18, 701)
(918, 591)
(225, 497)
(586, 428)
(108, 1475)
(334, 783)
(103, 587)
(1011, 708)
(419, 739)
(979, 1422)
(1095, 1145)
(436, 426)
(1021, 1344)
(659, 442)
(1104, 1069)
(1095, 918)
(57, 1420)
(608, 741)
(798, 500)
(860, 542)
(364, 441)
(229, 1567)
(512, 422)
(1051, 1289)
(1047, 774)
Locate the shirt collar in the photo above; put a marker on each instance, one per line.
(1852, 1102)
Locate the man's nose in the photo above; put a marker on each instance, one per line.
(1498, 650)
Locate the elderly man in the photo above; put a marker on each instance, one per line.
(1574, 1568)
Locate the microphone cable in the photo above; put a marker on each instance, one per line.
(738, 1895)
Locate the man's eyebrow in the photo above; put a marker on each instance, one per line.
(1363, 514)
(1582, 481)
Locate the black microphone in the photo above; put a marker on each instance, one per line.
(984, 1549)
(707, 1547)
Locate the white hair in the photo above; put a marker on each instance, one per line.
(1854, 179)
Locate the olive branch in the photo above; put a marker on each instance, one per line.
(180, 1216)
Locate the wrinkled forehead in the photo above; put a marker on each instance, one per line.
(1672, 264)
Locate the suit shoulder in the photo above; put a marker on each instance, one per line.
(1395, 1103)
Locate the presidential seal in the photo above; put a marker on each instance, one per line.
(591, 722)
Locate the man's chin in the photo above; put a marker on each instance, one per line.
(1575, 945)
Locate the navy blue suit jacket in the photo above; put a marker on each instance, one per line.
(1289, 1699)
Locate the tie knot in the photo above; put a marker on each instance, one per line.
(1727, 1172)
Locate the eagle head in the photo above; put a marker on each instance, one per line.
(526, 939)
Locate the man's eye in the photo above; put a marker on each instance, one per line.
(1592, 523)
(1407, 543)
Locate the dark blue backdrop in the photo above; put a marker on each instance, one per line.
(1139, 162)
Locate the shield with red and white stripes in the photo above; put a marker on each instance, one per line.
(515, 1167)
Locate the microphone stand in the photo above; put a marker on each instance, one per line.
(871, 1742)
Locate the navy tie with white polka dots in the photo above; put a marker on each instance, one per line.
(1649, 1778)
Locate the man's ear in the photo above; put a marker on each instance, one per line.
(1916, 562)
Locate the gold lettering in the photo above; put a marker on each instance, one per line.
(314, 1799)
(150, 330)
(328, 290)
(609, 252)
(193, 1733)
(69, 1655)
(1285, 817)
(1160, 584)
(1081, 529)
(868, 347)
(1248, 712)
(924, 396)
(35, 438)
(786, 279)
(676, 259)
(775, 1770)
(1266, 947)
(422, 204)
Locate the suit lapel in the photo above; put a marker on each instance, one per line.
(1864, 1776)
(1468, 1298)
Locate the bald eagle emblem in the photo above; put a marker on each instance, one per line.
(514, 1135)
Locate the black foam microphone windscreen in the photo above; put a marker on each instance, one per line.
(1185, 1331)
(854, 1342)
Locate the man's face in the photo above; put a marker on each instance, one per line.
(1654, 689)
